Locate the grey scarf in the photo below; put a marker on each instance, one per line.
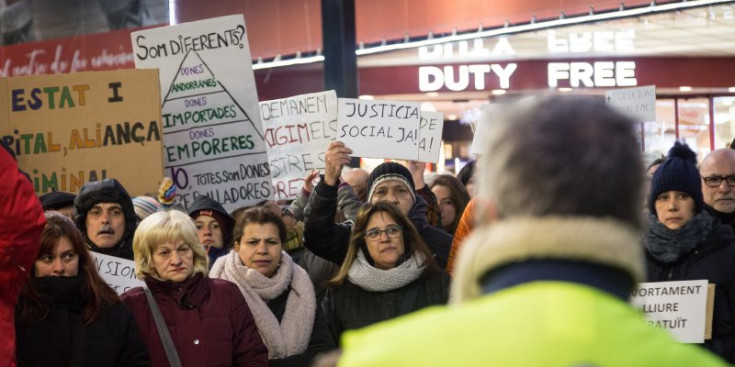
(370, 278)
(668, 246)
(292, 335)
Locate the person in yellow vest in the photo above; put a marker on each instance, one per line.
(547, 282)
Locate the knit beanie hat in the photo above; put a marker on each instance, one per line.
(56, 200)
(678, 173)
(390, 171)
(145, 206)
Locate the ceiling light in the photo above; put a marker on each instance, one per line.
(451, 117)
(366, 97)
(432, 94)
(498, 92)
(564, 90)
(731, 89)
(532, 26)
(685, 89)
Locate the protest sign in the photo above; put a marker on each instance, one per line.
(388, 129)
(679, 307)
(483, 126)
(119, 273)
(68, 129)
(213, 135)
(638, 103)
(297, 132)
(430, 136)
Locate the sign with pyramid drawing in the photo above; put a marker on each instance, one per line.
(213, 136)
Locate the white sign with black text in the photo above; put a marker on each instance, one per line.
(678, 307)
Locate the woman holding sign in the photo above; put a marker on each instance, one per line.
(684, 242)
(67, 315)
(278, 291)
(186, 318)
(388, 272)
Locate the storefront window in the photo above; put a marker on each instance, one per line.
(724, 112)
(659, 135)
(694, 125)
(693, 122)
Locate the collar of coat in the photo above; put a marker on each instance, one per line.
(596, 240)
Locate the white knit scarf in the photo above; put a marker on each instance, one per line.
(292, 336)
(370, 278)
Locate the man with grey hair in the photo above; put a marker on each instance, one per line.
(718, 184)
(545, 277)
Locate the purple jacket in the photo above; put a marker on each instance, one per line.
(208, 319)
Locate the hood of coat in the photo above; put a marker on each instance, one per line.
(594, 240)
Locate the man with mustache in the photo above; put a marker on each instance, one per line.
(718, 184)
(106, 218)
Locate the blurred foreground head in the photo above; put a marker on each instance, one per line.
(562, 156)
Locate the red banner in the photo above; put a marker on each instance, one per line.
(91, 52)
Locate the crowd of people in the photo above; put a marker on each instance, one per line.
(525, 257)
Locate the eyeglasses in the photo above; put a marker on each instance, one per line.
(716, 181)
(391, 230)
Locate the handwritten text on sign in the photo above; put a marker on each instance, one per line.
(297, 131)
(385, 129)
(638, 103)
(679, 307)
(119, 273)
(213, 136)
(430, 136)
(69, 129)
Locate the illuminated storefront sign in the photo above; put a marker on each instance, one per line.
(433, 78)
(596, 74)
(574, 74)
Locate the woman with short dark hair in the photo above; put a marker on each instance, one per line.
(279, 292)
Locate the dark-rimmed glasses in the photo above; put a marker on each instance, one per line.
(393, 230)
(716, 181)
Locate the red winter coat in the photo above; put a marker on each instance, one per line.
(208, 319)
(21, 224)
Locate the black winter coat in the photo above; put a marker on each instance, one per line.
(329, 240)
(321, 340)
(350, 307)
(111, 340)
(714, 260)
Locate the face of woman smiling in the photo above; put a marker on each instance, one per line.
(260, 247)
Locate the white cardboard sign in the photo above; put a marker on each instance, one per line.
(430, 136)
(213, 135)
(297, 131)
(638, 103)
(387, 129)
(483, 128)
(119, 273)
(678, 307)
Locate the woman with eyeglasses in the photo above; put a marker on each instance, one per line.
(278, 291)
(388, 272)
(684, 242)
(186, 318)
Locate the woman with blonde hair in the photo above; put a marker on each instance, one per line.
(388, 272)
(186, 318)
